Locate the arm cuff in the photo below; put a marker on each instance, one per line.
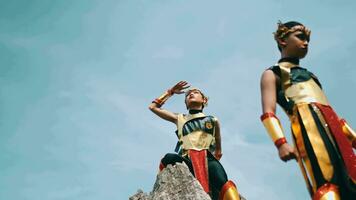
(274, 128)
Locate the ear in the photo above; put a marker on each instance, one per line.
(205, 100)
(282, 42)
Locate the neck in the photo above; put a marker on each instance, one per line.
(284, 54)
(289, 58)
(193, 111)
(195, 106)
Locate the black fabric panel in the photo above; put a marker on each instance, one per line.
(311, 154)
(298, 74)
(172, 158)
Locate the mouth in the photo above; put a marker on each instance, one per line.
(304, 49)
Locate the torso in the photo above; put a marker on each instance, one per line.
(296, 85)
(196, 131)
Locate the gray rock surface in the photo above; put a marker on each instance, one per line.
(175, 182)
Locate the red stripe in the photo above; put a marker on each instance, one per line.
(342, 142)
(280, 142)
(200, 167)
(268, 115)
(157, 101)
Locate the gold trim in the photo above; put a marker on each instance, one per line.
(316, 141)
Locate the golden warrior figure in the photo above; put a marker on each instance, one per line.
(199, 142)
(323, 142)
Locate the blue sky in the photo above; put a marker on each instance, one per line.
(77, 78)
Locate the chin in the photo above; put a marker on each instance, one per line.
(302, 56)
(303, 53)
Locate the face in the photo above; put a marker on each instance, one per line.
(194, 99)
(295, 44)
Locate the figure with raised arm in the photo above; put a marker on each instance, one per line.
(199, 142)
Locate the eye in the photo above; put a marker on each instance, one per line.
(302, 36)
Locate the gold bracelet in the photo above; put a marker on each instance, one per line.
(163, 98)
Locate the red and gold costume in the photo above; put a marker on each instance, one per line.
(323, 140)
(196, 145)
(196, 133)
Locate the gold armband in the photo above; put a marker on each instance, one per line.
(274, 128)
(350, 134)
(163, 98)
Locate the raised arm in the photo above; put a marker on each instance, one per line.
(156, 105)
(270, 120)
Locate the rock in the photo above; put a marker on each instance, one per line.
(140, 195)
(175, 182)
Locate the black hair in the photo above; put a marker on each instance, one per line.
(291, 24)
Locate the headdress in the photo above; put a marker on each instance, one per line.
(284, 29)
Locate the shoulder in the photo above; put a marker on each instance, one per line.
(268, 76)
(214, 119)
(211, 117)
(180, 116)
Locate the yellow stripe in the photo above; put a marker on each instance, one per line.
(304, 162)
(316, 141)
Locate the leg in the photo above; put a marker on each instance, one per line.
(221, 188)
(172, 158)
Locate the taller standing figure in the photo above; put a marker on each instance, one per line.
(323, 142)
